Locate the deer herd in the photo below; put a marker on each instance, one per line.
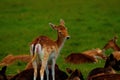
(44, 52)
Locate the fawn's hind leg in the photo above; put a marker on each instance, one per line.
(35, 70)
(44, 62)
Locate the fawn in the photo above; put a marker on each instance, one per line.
(46, 50)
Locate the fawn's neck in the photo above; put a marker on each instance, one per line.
(60, 42)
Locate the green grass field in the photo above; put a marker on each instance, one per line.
(91, 23)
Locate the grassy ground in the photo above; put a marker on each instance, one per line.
(91, 23)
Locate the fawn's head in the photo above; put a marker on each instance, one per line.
(61, 29)
(111, 43)
(74, 74)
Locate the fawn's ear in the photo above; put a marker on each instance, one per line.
(53, 26)
(111, 57)
(4, 69)
(62, 22)
(69, 70)
(115, 38)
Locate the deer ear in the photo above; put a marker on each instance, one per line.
(4, 69)
(62, 22)
(69, 70)
(115, 38)
(52, 25)
(111, 57)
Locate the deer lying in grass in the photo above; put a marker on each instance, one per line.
(79, 58)
(10, 59)
(89, 56)
(111, 64)
(47, 50)
(106, 77)
(112, 44)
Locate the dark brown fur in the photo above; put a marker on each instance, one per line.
(106, 77)
(78, 58)
(28, 75)
(111, 64)
(3, 73)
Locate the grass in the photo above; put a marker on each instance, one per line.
(91, 23)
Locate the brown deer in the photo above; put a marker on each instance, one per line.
(106, 77)
(46, 50)
(10, 59)
(110, 66)
(112, 44)
(89, 56)
(79, 58)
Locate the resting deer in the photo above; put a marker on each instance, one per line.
(10, 59)
(47, 50)
(111, 66)
(112, 44)
(106, 77)
(89, 56)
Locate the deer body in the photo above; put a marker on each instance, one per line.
(95, 53)
(111, 66)
(47, 50)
